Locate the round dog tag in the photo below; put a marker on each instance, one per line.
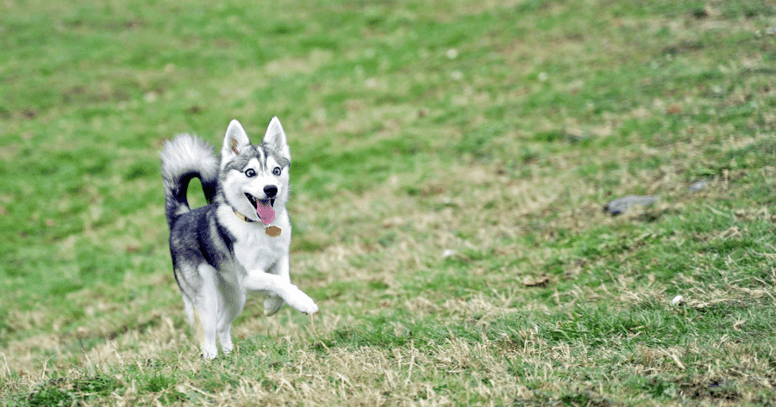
(273, 231)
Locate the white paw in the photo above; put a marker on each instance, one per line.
(209, 354)
(301, 301)
(227, 348)
(272, 304)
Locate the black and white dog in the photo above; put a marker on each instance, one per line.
(240, 241)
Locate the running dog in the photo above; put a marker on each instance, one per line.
(240, 241)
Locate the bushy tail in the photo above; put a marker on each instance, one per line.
(184, 158)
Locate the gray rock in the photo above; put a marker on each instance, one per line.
(699, 185)
(621, 205)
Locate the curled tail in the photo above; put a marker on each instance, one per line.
(184, 158)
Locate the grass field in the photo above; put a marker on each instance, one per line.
(451, 162)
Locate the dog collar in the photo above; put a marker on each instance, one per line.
(243, 217)
(273, 231)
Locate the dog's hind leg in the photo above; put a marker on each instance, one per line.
(272, 305)
(207, 307)
(184, 275)
(189, 309)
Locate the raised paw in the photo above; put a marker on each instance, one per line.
(301, 301)
(272, 304)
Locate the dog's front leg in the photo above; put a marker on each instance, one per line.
(274, 302)
(258, 280)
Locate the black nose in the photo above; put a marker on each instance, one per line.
(270, 191)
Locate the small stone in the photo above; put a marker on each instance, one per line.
(674, 108)
(448, 253)
(678, 300)
(621, 205)
(536, 281)
(698, 186)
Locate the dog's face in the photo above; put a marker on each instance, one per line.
(255, 176)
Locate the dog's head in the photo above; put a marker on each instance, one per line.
(255, 178)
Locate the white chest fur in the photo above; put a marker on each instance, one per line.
(254, 249)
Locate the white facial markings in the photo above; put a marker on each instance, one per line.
(262, 156)
(254, 164)
(271, 165)
(262, 176)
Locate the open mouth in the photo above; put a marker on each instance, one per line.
(264, 202)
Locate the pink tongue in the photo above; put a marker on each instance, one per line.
(266, 213)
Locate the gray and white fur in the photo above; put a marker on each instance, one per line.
(221, 251)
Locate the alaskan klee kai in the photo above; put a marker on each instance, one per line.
(240, 241)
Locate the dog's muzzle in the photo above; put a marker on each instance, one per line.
(255, 201)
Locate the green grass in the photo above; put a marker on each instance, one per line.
(494, 132)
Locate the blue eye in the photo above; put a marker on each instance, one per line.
(250, 173)
(276, 171)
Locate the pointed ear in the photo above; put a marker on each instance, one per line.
(234, 140)
(275, 138)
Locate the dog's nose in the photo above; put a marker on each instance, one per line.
(270, 191)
